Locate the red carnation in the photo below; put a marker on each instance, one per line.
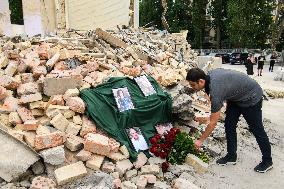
(153, 140)
(153, 149)
(163, 155)
(165, 166)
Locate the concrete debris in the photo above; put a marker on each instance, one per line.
(40, 82)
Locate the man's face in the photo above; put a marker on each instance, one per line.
(198, 85)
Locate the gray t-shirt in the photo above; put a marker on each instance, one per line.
(232, 86)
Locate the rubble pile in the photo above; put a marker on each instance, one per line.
(274, 93)
(40, 82)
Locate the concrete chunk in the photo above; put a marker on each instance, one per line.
(55, 86)
(200, 166)
(70, 172)
(53, 156)
(95, 162)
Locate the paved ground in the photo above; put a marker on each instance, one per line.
(242, 176)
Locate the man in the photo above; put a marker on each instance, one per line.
(243, 96)
(138, 141)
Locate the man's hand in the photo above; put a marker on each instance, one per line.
(197, 144)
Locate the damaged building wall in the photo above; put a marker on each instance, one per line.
(5, 22)
(89, 14)
(48, 12)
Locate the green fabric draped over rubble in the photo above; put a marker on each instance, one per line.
(150, 110)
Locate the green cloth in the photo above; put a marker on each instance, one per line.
(101, 107)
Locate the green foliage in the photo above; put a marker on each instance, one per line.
(16, 9)
(248, 22)
(199, 22)
(182, 146)
(150, 13)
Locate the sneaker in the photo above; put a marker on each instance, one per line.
(263, 167)
(227, 160)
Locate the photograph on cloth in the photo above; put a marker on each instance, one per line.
(145, 85)
(137, 139)
(162, 129)
(123, 99)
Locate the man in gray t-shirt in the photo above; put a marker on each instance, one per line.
(243, 96)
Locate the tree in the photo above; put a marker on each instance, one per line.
(199, 22)
(218, 11)
(179, 16)
(150, 13)
(277, 26)
(248, 22)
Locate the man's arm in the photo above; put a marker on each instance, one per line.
(214, 117)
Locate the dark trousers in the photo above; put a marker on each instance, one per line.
(253, 116)
(271, 65)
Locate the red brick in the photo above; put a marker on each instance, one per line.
(25, 114)
(30, 125)
(49, 140)
(98, 144)
(88, 126)
(39, 71)
(43, 182)
(9, 82)
(30, 98)
(27, 77)
(76, 104)
(3, 93)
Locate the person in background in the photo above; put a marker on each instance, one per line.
(260, 64)
(272, 62)
(249, 64)
(244, 97)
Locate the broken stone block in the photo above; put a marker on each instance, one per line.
(150, 169)
(117, 183)
(37, 105)
(3, 93)
(14, 118)
(95, 162)
(76, 104)
(71, 93)
(108, 167)
(68, 114)
(43, 182)
(30, 98)
(60, 122)
(70, 172)
(30, 125)
(49, 140)
(84, 155)
(188, 177)
(4, 61)
(27, 77)
(161, 185)
(97, 143)
(123, 166)
(55, 86)
(124, 151)
(180, 183)
(141, 160)
(53, 156)
(25, 114)
(37, 112)
(141, 182)
(116, 156)
(128, 185)
(131, 173)
(27, 88)
(74, 143)
(29, 138)
(155, 161)
(57, 100)
(88, 126)
(11, 68)
(9, 82)
(200, 166)
(115, 175)
(39, 71)
(51, 62)
(77, 120)
(42, 130)
(73, 129)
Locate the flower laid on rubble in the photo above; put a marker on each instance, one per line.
(174, 147)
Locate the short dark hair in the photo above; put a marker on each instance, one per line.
(194, 74)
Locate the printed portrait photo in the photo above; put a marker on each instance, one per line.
(137, 139)
(145, 85)
(123, 99)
